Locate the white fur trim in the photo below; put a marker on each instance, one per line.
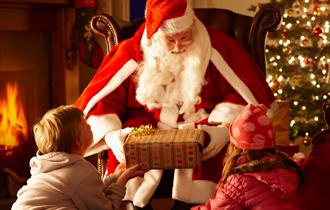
(232, 78)
(191, 191)
(128, 68)
(179, 24)
(100, 126)
(169, 115)
(225, 112)
(206, 44)
(141, 190)
(186, 126)
(131, 187)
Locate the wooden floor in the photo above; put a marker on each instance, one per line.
(157, 204)
(6, 203)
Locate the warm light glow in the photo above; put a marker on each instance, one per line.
(13, 124)
(280, 91)
(292, 123)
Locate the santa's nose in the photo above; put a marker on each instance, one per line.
(178, 47)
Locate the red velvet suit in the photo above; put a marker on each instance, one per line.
(233, 79)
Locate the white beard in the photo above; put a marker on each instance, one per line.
(172, 80)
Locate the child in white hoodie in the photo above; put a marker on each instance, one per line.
(60, 177)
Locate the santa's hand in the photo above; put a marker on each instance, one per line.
(218, 139)
(115, 140)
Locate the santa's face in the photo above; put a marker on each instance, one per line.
(172, 72)
(176, 43)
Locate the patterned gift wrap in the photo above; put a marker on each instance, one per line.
(165, 149)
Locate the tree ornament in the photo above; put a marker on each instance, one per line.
(287, 50)
(283, 35)
(315, 7)
(295, 80)
(276, 84)
(293, 12)
(306, 42)
(307, 61)
(307, 141)
(297, 9)
(317, 31)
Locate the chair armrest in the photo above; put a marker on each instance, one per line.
(267, 19)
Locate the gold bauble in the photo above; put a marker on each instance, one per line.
(287, 50)
(307, 141)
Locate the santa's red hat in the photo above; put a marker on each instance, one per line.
(171, 15)
(252, 129)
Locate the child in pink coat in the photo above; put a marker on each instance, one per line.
(255, 174)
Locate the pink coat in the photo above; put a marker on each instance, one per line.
(271, 190)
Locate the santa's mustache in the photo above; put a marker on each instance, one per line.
(177, 51)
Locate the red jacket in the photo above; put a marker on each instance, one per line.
(271, 190)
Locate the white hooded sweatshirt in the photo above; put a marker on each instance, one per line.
(65, 181)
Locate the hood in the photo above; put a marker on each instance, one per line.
(283, 183)
(51, 161)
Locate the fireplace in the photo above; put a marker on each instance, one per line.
(34, 42)
(16, 116)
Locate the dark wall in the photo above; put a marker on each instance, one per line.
(137, 8)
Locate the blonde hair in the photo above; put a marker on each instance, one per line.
(254, 161)
(58, 129)
(232, 154)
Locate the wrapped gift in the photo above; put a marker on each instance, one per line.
(164, 149)
(281, 123)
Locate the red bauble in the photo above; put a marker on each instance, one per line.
(307, 61)
(317, 31)
(276, 84)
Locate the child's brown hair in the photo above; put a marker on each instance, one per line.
(255, 161)
(58, 129)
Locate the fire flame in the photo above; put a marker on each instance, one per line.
(13, 124)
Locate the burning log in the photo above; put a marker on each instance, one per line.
(13, 129)
(19, 135)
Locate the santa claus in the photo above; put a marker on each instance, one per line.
(174, 73)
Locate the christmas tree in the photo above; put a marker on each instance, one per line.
(298, 62)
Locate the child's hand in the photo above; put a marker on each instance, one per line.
(126, 174)
(119, 169)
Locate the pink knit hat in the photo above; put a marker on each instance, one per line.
(252, 129)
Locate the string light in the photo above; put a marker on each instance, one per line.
(292, 122)
(299, 63)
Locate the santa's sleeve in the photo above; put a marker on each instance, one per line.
(243, 74)
(104, 100)
(105, 117)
